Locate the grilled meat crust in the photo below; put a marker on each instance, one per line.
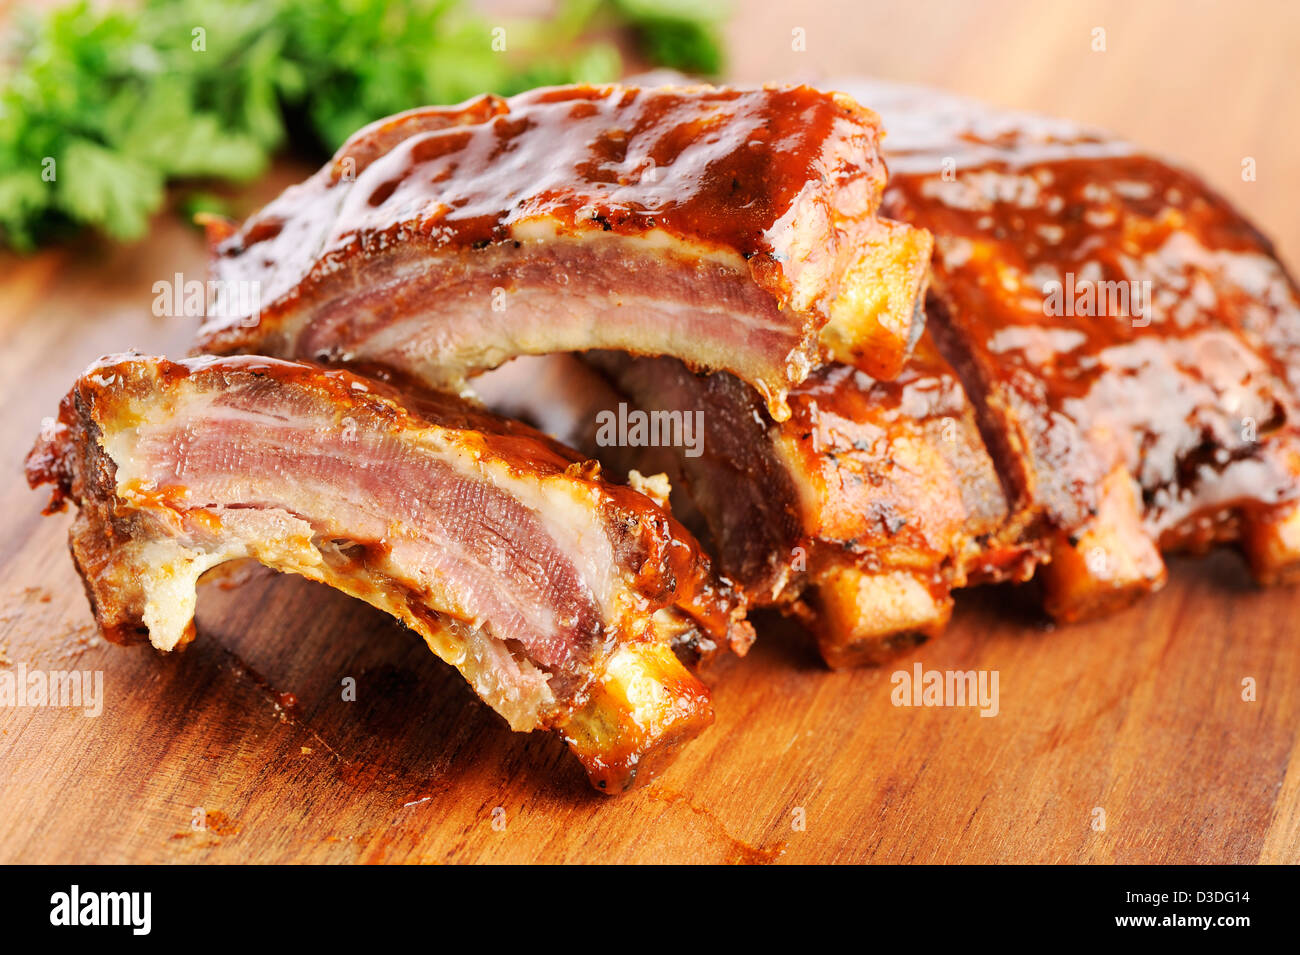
(733, 228)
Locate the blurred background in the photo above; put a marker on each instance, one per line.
(128, 98)
(1202, 82)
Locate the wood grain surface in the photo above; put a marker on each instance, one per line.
(1140, 716)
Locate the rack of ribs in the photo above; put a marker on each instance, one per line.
(1077, 445)
(1130, 340)
(735, 229)
(557, 594)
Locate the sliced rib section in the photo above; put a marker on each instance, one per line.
(555, 593)
(734, 229)
(860, 513)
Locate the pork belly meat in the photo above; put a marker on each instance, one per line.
(556, 594)
(1129, 339)
(860, 513)
(734, 229)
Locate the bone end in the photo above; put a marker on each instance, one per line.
(646, 706)
(1109, 564)
(879, 312)
(867, 619)
(1271, 544)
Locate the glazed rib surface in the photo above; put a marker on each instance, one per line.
(734, 229)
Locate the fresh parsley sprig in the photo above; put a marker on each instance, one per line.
(101, 108)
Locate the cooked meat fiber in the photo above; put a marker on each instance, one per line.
(556, 594)
(1132, 342)
(734, 229)
(1093, 440)
(860, 513)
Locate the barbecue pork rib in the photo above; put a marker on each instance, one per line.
(1131, 342)
(557, 594)
(859, 514)
(735, 229)
(1093, 443)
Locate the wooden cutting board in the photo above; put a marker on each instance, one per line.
(1140, 717)
(246, 733)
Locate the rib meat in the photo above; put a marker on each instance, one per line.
(860, 513)
(734, 229)
(1130, 340)
(1092, 443)
(557, 595)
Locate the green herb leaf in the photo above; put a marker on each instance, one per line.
(100, 109)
